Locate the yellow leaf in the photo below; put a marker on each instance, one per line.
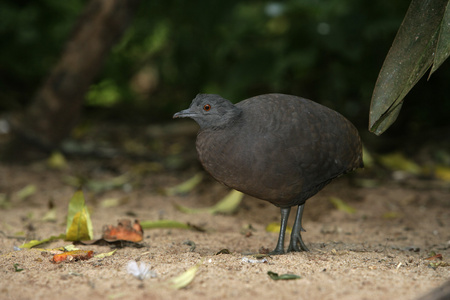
(442, 173)
(185, 187)
(275, 227)
(228, 205)
(341, 205)
(183, 280)
(390, 215)
(164, 224)
(79, 225)
(103, 255)
(398, 162)
(34, 243)
(57, 161)
(79, 229)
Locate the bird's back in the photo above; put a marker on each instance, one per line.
(282, 149)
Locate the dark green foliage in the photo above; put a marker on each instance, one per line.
(422, 43)
(33, 34)
(328, 51)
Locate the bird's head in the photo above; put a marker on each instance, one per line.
(210, 111)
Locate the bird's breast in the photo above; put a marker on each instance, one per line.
(251, 165)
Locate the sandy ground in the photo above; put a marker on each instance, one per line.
(378, 252)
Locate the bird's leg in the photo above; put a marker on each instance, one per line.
(279, 249)
(296, 244)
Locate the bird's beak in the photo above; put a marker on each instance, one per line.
(183, 114)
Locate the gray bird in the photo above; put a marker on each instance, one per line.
(275, 147)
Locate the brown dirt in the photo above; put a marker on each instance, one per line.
(365, 255)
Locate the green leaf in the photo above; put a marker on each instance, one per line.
(275, 276)
(111, 202)
(98, 186)
(367, 158)
(185, 187)
(35, 243)
(390, 215)
(227, 205)
(103, 255)
(50, 216)
(16, 268)
(443, 46)
(26, 192)
(183, 280)
(5, 203)
(79, 225)
(164, 224)
(70, 247)
(422, 36)
(341, 205)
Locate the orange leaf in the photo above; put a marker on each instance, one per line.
(124, 231)
(73, 256)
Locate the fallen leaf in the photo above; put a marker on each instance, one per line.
(50, 216)
(398, 162)
(183, 280)
(106, 254)
(70, 247)
(275, 276)
(113, 202)
(80, 229)
(227, 205)
(124, 231)
(5, 203)
(390, 215)
(275, 227)
(57, 161)
(442, 173)
(26, 192)
(185, 187)
(168, 224)
(79, 225)
(73, 256)
(366, 182)
(16, 268)
(367, 158)
(35, 243)
(341, 205)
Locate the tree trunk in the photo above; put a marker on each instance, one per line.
(57, 104)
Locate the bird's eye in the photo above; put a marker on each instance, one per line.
(207, 107)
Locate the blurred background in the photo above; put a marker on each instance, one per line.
(327, 51)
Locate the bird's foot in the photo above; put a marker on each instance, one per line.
(277, 251)
(296, 244)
